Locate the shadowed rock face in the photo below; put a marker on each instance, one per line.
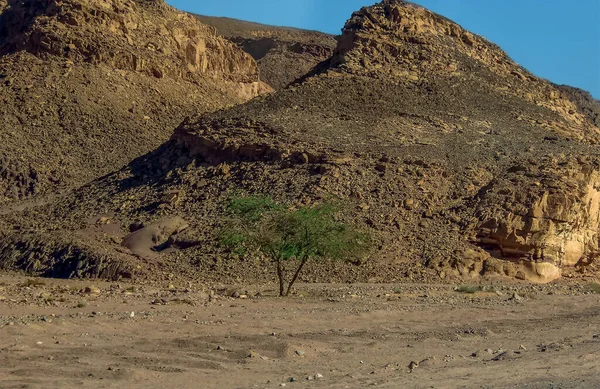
(459, 161)
(85, 86)
(282, 54)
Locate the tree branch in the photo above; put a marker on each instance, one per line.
(304, 260)
(281, 277)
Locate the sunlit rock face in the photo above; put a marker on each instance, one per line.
(143, 36)
(548, 213)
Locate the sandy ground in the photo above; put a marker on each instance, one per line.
(55, 334)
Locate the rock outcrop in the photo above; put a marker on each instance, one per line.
(85, 86)
(544, 211)
(460, 162)
(143, 36)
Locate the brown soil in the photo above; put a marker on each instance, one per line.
(55, 334)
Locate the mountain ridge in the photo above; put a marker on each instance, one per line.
(460, 163)
(79, 79)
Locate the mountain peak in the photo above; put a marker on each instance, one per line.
(400, 33)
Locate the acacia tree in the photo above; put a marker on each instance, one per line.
(285, 234)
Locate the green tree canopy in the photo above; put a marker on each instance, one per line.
(286, 234)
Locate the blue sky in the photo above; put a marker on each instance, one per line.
(555, 39)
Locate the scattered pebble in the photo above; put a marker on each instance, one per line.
(300, 353)
(515, 297)
(413, 365)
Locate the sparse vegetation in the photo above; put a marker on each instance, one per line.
(32, 283)
(594, 287)
(468, 289)
(286, 234)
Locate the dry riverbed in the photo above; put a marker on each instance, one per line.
(82, 334)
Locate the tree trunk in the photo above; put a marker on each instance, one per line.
(281, 278)
(295, 276)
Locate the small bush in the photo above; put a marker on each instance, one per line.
(32, 283)
(594, 287)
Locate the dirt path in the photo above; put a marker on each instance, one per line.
(56, 335)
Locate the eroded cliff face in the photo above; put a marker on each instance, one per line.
(142, 36)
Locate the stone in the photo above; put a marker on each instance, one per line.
(515, 297)
(92, 290)
(144, 241)
(409, 204)
(300, 353)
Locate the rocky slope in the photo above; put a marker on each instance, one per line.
(86, 86)
(460, 162)
(283, 54)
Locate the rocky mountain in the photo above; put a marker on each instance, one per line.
(86, 86)
(283, 54)
(459, 161)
